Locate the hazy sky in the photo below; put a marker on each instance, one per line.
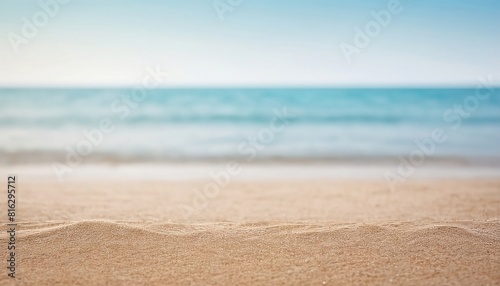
(260, 42)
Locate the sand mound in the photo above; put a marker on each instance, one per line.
(117, 253)
(316, 232)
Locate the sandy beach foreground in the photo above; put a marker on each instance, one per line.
(303, 232)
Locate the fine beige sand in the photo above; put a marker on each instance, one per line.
(303, 232)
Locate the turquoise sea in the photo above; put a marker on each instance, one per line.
(216, 124)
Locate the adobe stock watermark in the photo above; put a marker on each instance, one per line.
(426, 147)
(94, 137)
(223, 6)
(363, 37)
(248, 149)
(40, 19)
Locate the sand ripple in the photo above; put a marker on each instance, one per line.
(117, 253)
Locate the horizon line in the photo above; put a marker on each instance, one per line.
(163, 87)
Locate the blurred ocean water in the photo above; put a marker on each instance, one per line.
(215, 124)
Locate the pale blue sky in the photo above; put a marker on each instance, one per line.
(259, 43)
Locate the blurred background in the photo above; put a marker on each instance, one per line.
(358, 81)
(329, 125)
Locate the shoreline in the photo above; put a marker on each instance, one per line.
(200, 171)
(99, 158)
